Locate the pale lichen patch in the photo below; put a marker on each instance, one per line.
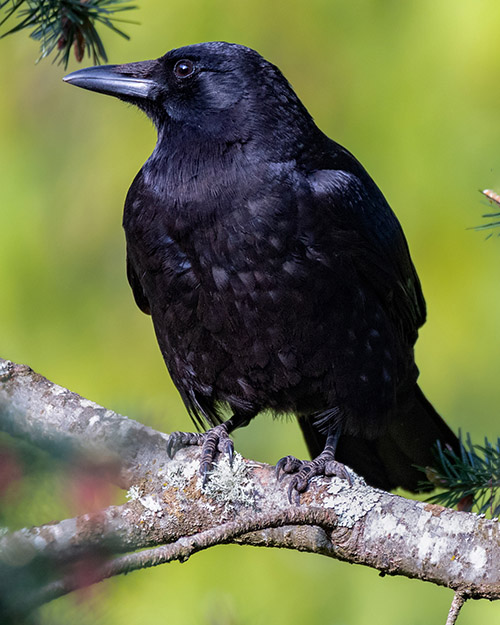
(350, 502)
(431, 550)
(5, 367)
(55, 389)
(460, 523)
(179, 472)
(230, 484)
(64, 532)
(478, 557)
(152, 506)
(86, 403)
(150, 503)
(17, 549)
(133, 493)
(423, 519)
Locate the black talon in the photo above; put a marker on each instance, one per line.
(204, 472)
(304, 470)
(294, 491)
(286, 466)
(212, 443)
(230, 453)
(279, 469)
(337, 469)
(177, 440)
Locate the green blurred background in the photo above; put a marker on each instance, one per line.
(413, 89)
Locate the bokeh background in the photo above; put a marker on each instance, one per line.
(413, 89)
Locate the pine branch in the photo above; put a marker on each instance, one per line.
(65, 25)
(494, 198)
(473, 476)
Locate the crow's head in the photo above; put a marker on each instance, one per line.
(216, 87)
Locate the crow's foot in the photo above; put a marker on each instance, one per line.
(304, 470)
(212, 442)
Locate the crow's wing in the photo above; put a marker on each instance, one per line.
(350, 217)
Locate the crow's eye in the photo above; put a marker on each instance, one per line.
(184, 68)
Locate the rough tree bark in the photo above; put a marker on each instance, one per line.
(170, 515)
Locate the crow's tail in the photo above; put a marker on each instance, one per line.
(390, 460)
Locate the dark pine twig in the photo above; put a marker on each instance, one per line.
(66, 25)
(494, 198)
(472, 475)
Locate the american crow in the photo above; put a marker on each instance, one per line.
(276, 274)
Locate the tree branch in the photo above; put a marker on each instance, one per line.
(456, 605)
(185, 547)
(62, 422)
(171, 511)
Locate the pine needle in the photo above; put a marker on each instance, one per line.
(63, 26)
(494, 198)
(474, 474)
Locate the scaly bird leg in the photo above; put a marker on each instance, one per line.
(212, 442)
(304, 470)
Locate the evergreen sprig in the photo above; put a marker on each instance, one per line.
(66, 25)
(473, 476)
(494, 198)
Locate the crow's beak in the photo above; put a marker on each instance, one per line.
(132, 80)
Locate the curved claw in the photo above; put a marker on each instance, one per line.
(337, 469)
(305, 470)
(293, 492)
(286, 466)
(225, 445)
(279, 470)
(178, 440)
(212, 442)
(303, 477)
(228, 449)
(215, 441)
(204, 471)
(174, 443)
(171, 446)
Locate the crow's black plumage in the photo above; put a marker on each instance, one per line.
(276, 274)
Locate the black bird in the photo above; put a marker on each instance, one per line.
(276, 274)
